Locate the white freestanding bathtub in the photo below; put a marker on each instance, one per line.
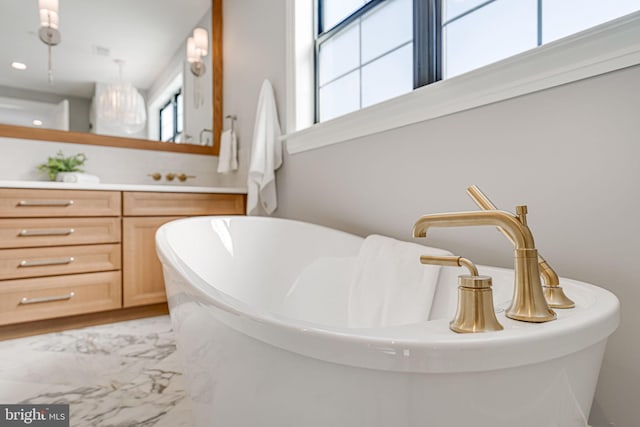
(258, 353)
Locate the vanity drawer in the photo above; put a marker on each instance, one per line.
(24, 233)
(38, 262)
(20, 203)
(24, 300)
(172, 204)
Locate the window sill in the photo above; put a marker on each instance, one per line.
(602, 49)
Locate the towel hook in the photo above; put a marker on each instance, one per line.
(232, 119)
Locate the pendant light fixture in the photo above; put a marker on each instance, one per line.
(120, 107)
(49, 32)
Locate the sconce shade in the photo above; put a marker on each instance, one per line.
(49, 13)
(52, 5)
(201, 39)
(192, 54)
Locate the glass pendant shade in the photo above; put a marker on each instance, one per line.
(120, 107)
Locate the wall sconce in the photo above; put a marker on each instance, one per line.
(48, 32)
(197, 48)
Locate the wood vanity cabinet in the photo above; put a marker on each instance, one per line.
(87, 257)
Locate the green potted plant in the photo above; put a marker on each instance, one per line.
(61, 164)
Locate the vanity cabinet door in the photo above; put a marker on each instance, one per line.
(144, 212)
(142, 279)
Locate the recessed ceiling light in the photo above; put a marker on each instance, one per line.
(19, 66)
(37, 122)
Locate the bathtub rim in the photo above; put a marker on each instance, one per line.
(403, 348)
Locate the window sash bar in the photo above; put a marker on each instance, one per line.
(539, 22)
(427, 36)
(174, 107)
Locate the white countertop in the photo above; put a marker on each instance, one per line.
(121, 187)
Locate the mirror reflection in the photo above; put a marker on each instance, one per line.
(112, 67)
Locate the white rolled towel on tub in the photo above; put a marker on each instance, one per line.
(77, 177)
(390, 286)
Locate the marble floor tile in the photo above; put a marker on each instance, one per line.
(12, 392)
(180, 416)
(122, 374)
(67, 368)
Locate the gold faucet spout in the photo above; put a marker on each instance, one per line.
(528, 303)
(520, 234)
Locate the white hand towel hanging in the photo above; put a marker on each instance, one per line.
(228, 156)
(266, 154)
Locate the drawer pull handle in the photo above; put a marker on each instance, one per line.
(42, 203)
(44, 262)
(25, 300)
(56, 232)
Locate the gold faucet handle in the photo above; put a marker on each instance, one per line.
(183, 177)
(450, 261)
(157, 176)
(170, 176)
(475, 311)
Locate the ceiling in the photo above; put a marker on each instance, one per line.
(144, 33)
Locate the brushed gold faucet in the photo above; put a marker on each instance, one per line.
(475, 312)
(528, 303)
(553, 292)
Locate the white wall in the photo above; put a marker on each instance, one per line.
(253, 48)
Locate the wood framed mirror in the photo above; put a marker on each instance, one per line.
(215, 53)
